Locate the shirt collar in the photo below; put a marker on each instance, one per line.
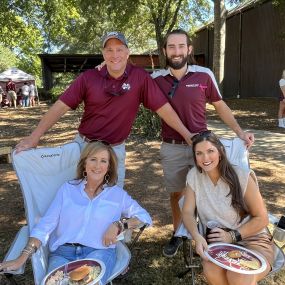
(104, 73)
(82, 187)
(190, 68)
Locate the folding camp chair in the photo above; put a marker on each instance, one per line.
(238, 155)
(41, 172)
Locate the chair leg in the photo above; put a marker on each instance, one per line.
(188, 256)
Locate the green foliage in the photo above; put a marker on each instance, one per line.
(147, 124)
(7, 58)
(62, 81)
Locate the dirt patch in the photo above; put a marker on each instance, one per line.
(143, 182)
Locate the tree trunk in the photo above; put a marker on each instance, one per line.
(220, 14)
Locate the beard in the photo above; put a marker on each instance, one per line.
(176, 64)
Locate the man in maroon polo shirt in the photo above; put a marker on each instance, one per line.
(11, 93)
(188, 89)
(111, 99)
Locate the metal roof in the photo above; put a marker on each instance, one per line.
(70, 62)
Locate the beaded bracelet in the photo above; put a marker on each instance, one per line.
(233, 236)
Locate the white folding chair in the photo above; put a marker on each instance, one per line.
(237, 154)
(41, 172)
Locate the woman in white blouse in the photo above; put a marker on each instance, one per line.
(230, 196)
(281, 111)
(84, 219)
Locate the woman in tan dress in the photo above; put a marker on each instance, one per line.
(230, 196)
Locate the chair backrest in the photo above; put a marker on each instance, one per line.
(237, 152)
(41, 172)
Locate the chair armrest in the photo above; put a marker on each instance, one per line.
(16, 248)
(182, 232)
(273, 219)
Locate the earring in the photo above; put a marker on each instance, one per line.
(85, 176)
(106, 178)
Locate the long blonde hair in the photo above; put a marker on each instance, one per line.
(91, 149)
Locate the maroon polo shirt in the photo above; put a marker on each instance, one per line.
(10, 86)
(110, 105)
(192, 92)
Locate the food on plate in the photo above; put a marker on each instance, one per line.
(251, 264)
(234, 254)
(55, 278)
(82, 275)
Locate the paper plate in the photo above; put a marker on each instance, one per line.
(249, 262)
(75, 264)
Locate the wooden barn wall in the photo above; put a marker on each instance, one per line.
(255, 52)
(200, 43)
(232, 58)
(263, 53)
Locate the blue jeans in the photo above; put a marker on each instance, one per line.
(120, 151)
(26, 101)
(66, 253)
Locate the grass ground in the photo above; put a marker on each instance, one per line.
(143, 182)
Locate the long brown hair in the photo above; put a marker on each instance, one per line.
(226, 171)
(92, 148)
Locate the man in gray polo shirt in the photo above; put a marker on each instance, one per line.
(111, 99)
(188, 88)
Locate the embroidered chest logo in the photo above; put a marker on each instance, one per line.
(126, 86)
(196, 85)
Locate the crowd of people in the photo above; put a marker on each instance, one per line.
(193, 159)
(25, 96)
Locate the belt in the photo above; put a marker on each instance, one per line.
(74, 244)
(174, 141)
(84, 138)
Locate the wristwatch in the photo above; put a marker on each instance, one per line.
(237, 236)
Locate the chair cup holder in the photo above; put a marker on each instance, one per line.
(279, 234)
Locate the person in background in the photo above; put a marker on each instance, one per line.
(230, 196)
(111, 98)
(11, 93)
(84, 219)
(25, 90)
(281, 111)
(1, 96)
(33, 94)
(187, 87)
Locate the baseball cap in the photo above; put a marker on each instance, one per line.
(114, 35)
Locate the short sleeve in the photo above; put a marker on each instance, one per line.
(191, 178)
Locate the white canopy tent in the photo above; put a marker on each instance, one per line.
(16, 75)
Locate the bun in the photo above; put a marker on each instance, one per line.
(79, 273)
(234, 254)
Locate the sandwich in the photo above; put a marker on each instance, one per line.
(81, 275)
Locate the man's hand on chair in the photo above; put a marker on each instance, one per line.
(248, 138)
(26, 143)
